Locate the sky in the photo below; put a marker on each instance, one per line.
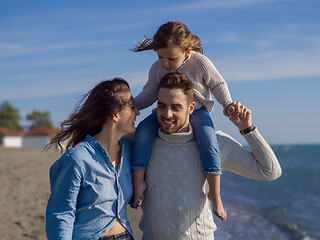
(268, 51)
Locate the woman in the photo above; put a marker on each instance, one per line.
(91, 184)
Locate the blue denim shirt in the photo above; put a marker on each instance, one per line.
(87, 193)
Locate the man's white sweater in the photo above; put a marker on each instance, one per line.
(175, 205)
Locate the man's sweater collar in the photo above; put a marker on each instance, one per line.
(182, 137)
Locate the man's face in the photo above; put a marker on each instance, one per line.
(173, 110)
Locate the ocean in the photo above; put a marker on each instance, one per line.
(284, 209)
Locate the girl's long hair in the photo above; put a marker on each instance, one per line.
(171, 33)
(96, 108)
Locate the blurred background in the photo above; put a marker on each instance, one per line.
(268, 51)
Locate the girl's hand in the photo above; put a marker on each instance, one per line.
(239, 115)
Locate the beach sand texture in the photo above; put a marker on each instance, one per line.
(25, 189)
(24, 192)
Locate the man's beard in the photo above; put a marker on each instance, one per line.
(175, 128)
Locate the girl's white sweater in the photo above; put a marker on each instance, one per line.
(204, 76)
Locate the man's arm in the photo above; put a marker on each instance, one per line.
(260, 163)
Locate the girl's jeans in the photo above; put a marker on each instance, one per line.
(204, 134)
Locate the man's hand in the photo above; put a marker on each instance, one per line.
(239, 115)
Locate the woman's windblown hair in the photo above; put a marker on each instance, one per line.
(95, 109)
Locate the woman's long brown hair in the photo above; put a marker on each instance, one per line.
(99, 106)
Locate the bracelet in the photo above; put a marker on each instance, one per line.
(247, 130)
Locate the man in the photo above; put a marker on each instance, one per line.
(175, 205)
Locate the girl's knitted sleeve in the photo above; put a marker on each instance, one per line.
(216, 83)
(149, 93)
(260, 163)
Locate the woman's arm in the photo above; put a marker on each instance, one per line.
(65, 180)
(260, 163)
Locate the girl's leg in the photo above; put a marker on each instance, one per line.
(206, 139)
(146, 131)
(215, 197)
(142, 149)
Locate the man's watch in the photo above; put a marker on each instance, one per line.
(247, 130)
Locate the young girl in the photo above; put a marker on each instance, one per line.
(180, 50)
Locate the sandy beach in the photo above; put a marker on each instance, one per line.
(24, 192)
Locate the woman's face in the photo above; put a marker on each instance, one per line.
(127, 116)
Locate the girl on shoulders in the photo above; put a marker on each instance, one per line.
(180, 50)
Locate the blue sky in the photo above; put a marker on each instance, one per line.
(53, 52)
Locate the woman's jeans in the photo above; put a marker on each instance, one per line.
(204, 134)
(121, 236)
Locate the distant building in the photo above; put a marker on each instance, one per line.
(38, 137)
(10, 138)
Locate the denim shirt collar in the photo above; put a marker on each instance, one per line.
(96, 145)
(94, 142)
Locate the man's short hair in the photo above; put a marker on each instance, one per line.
(175, 80)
